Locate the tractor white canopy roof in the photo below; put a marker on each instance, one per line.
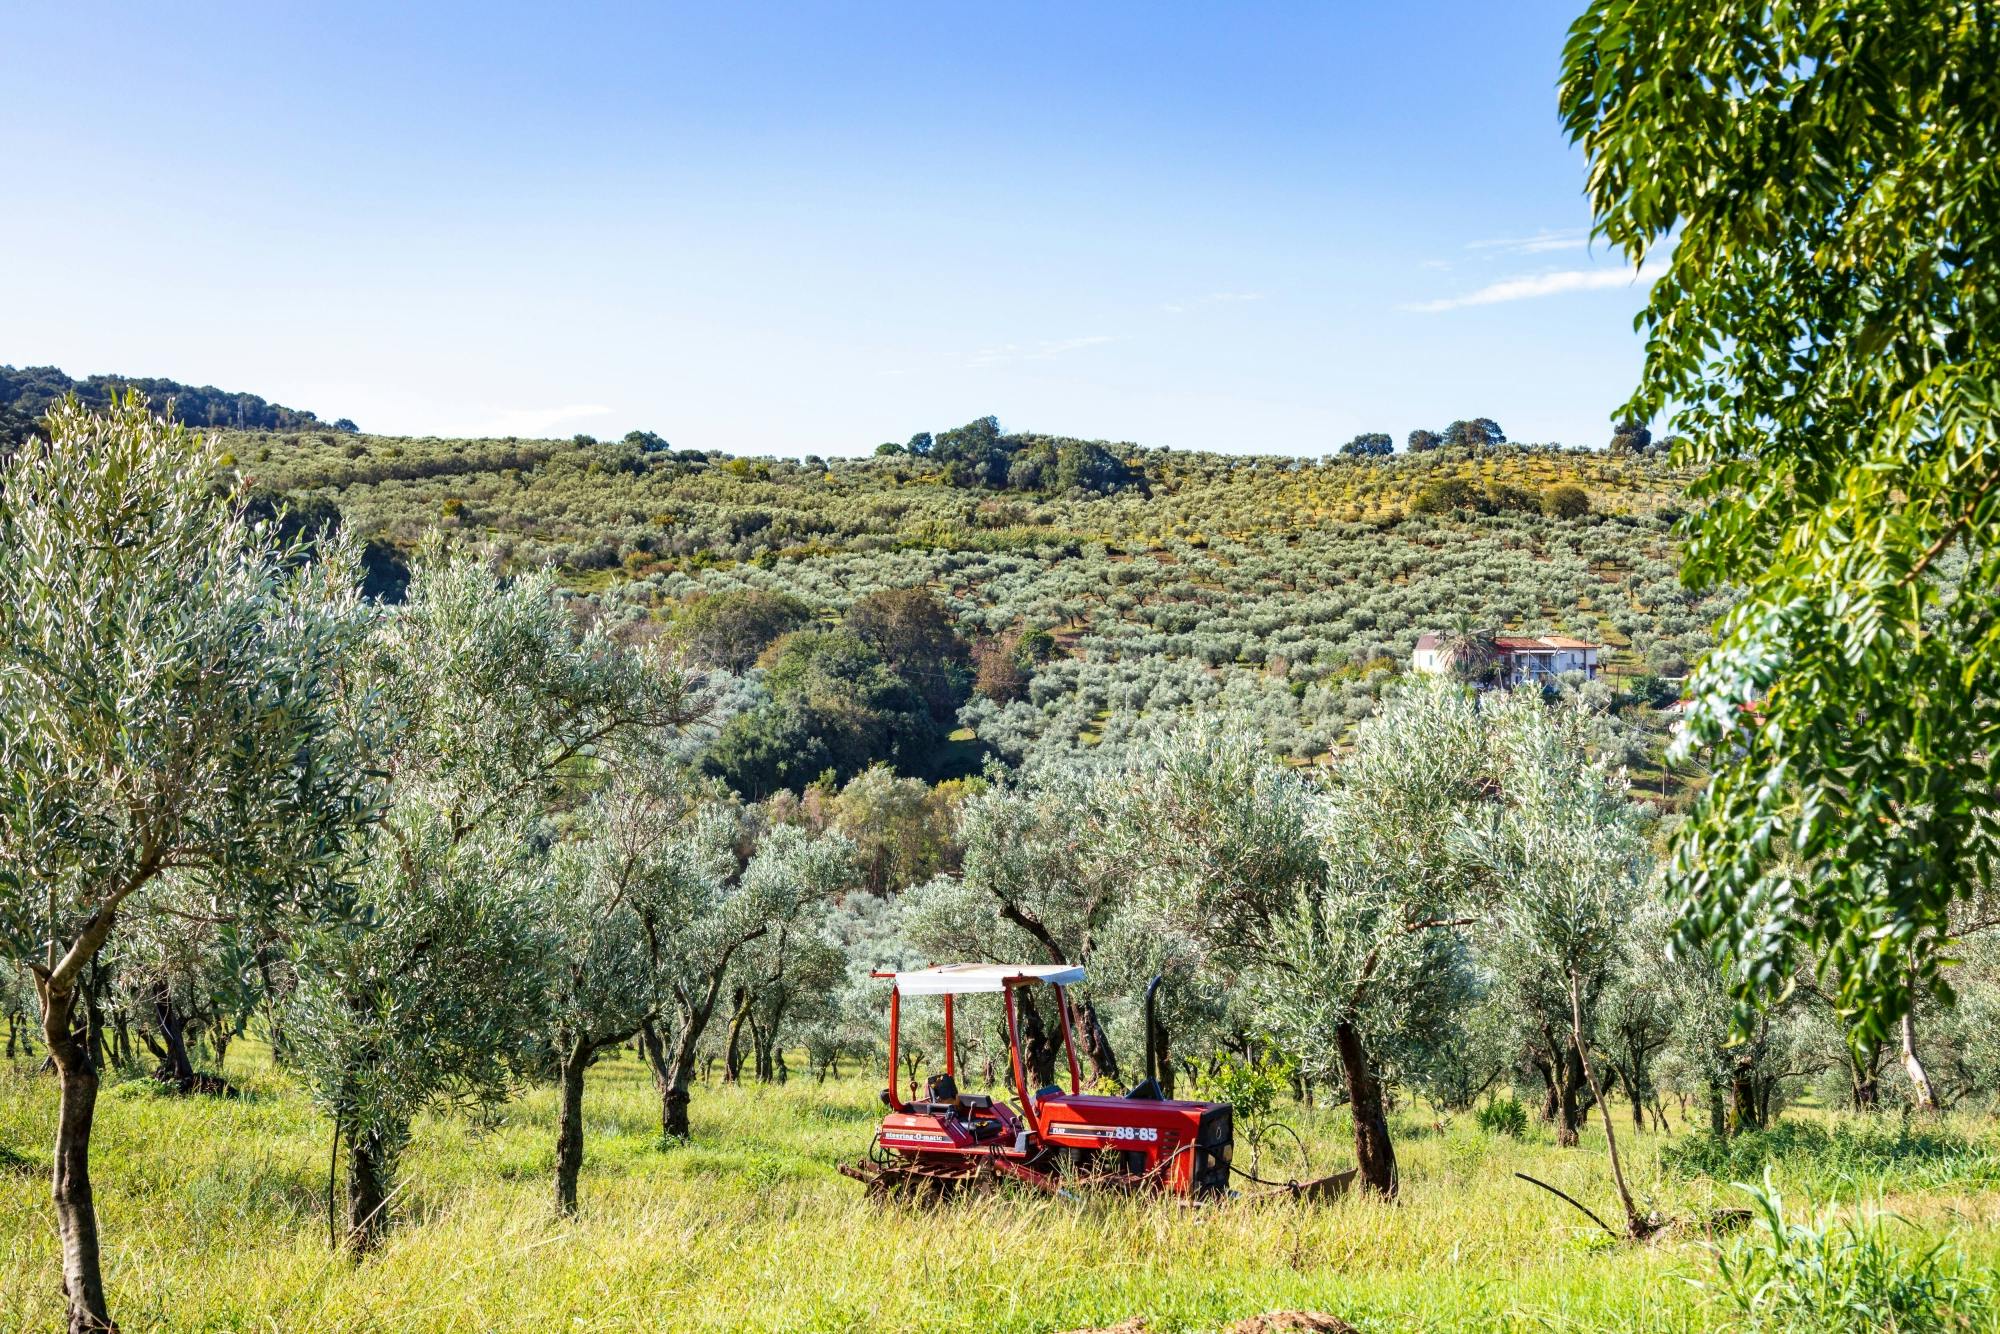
(956, 979)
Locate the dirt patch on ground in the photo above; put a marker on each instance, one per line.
(1271, 1322)
(1274, 1322)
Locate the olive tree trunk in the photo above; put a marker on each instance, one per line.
(673, 1075)
(1374, 1153)
(76, 1208)
(368, 1167)
(569, 1138)
(1096, 1043)
(1038, 1048)
(176, 1068)
(732, 1055)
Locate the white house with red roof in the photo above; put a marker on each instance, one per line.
(1519, 658)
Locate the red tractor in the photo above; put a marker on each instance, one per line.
(948, 1140)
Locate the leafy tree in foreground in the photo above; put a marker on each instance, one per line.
(170, 707)
(1826, 337)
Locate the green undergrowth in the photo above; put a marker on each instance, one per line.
(214, 1216)
(1908, 1154)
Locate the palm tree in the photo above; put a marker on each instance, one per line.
(1467, 649)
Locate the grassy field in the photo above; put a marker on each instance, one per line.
(214, 1214)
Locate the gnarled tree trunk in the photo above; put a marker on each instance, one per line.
(1564, 1073)
(176, 1069)
(569, 1136)
(76, 1208)
(1038, 1049)
(1374, 1153)
(1096, 1043)
(732, 1052)
(673, 1075)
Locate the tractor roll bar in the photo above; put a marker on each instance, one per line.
(1007, 986)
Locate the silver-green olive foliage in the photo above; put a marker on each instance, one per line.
(173, 707)
(432, 982)
(1819, 182)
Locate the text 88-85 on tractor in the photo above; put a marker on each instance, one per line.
(934, 1145)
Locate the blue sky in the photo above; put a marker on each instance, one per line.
(809, 228)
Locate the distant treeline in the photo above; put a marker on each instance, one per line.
(26, 394)
(978, 454)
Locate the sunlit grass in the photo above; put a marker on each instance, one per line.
(214, 1215)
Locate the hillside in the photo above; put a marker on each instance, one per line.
(30, 391)
(1288, 590)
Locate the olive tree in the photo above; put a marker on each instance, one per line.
(742, 881)
(1040, 880)
(1333, 909)
(1567, 864)
(617, 891)
(172, 689)
(788, 975)
(423, 993)
(1367, 955)
(428, 986)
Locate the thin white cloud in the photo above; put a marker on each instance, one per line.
(1541, 243)
(1545, 284)
(533, 422)
(1006, 352)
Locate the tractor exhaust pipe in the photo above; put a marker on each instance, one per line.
(1152, 1033)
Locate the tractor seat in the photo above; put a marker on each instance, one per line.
(975, 1102)
(940, 1097)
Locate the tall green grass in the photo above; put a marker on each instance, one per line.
(1831, 1273)
(214, 1219)
(1927, 1155)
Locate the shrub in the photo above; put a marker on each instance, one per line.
(1503, 1116)
(1444, 496)
(1566, 502)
